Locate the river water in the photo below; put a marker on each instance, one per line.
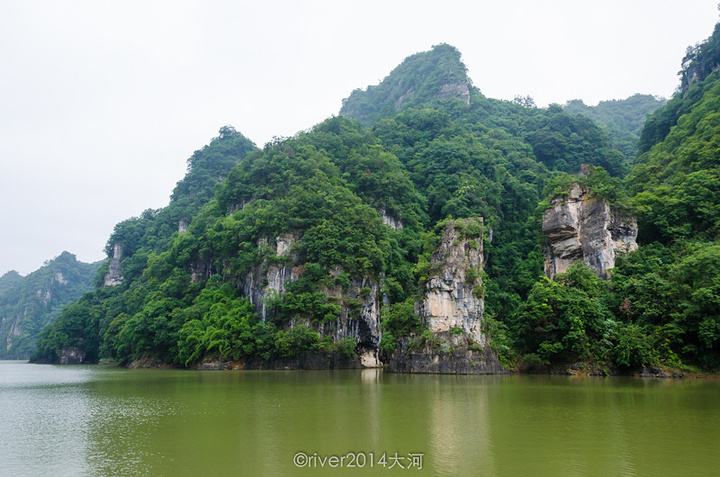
(97, 421)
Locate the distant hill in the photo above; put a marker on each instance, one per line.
(623, 119)
(29, 303)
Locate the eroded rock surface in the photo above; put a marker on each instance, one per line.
(113, 276)
(454, 294)
(579, 227)
(452, 309)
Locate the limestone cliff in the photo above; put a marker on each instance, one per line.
(390, 220)
(452, 308)
(453, 292)
(113, 276)
(579, 227)
(269, 278)
(360, 302)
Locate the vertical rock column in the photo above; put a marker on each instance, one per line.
(113, 276)
(453, 293)
(579, 227)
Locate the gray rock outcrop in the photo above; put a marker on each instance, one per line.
(459, 90)
(113, 276)
(452, 356)
(581, 228)
(453, 292)
(390, 220)
(361, 321)
(72, 355)
(452, 309)
(269, 278)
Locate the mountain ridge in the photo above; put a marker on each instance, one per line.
(324, 244)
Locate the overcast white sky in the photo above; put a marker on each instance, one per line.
(102, 102)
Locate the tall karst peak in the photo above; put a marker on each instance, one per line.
(438, 74)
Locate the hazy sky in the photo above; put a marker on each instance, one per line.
(102, 102)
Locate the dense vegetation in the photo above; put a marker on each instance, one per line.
(423, 79)
(661, 305)
(622, 119)
(29, 303)
(421, 147)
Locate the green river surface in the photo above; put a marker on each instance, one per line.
(94, 420)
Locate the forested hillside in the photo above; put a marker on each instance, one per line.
(662, 303)
(622, 119)
(29, 303)
(300, 247)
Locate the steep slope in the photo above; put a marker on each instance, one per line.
(29, 303)
(676, 188)
(700, 61)
(134, 245)
(661, 304)
(580, 227)
(676, 178)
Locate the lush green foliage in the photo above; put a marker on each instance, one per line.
(361, 202)
(596, 182)
(662, 303)
(701, 60)
(398, 321)
(676, 182)
(622, 119)
(564, 142)
(333, 189)
(567, 319)
(418, 80)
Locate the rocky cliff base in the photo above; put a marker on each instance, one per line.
(447, 354)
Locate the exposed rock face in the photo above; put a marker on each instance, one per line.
(60, 278)
(391, 220)
(72, 355)
(269, 279)
(452, 308)
(459, 90)
(579, 227)
(200, 269)
(113, 276)
(15, 330)
(453, 296)
(452, 356)
(360, 321)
